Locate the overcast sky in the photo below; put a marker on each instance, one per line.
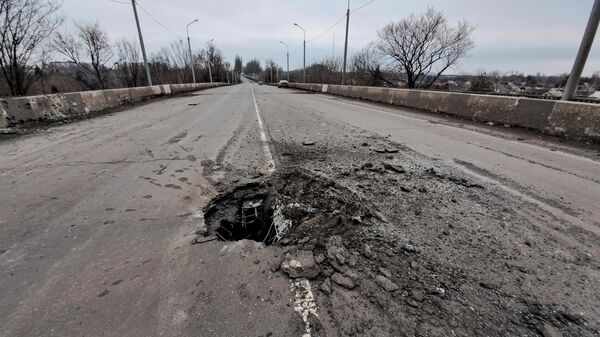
(524, 35)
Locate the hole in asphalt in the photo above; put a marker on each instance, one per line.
(288, 206)
(245, 213)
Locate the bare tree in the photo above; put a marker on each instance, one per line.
(161, 67)
(180, 58)
(129, 65)
(90, 50)
(270, 70)
(481, 83)
(252, 68)
(24, 25)
(424, 46)
(366, 66)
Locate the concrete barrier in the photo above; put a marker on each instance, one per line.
(566, 119)
(55, 107)
(3, 118)
(181, 88)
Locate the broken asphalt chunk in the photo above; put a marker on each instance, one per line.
(204, 239)
(326, 286)
(300, 264)
(386, 283)
(342, 281)
(394, 168)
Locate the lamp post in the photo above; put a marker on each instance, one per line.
(287, 52)
(583, 53)
(187, 28)
(304, 62)
(208, 59)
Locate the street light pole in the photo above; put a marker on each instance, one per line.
(208, 59)
(583, 53)
(304, 62)
(346, 44)
(187, 28)
(287, 52)
(137, 22)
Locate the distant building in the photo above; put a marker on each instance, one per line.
(506, 88)
(554, 93)
(467, 86)
(447, 86)
(584, 90)
(595, 95)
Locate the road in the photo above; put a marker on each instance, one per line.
(97, 217)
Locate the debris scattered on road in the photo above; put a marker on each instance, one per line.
(342, 280)
(382, 257)
(394, 168)
(300, 264)
(204, 239)
(386, 284)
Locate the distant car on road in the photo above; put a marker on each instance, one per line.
(283, 84)
(260, 83)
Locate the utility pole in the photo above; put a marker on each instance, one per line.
(187, 28)
(209, 59)
(304, 62)
(346, 44)
(137, 22)
(583, 53)
(287, 51)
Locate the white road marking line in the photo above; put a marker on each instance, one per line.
(263, 136)
(305, 302)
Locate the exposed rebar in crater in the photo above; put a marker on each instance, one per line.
(245, 213)
(294, 204)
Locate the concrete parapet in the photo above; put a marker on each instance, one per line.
(180, 88)
(569, 118)
(3, 117)
(57, 107)
(566, 119)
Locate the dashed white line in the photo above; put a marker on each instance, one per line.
(304, 304)
(263, 136)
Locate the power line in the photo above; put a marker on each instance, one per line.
(150, 15)
(339, 21)
(155, 20)
(363, 6)
(328, 29)
(120, 2)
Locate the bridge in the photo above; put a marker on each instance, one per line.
(238, 210)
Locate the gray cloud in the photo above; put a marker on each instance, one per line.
(529, 36)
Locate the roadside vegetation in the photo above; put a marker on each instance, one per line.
(38, 55)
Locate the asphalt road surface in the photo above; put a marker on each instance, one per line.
(97, 217)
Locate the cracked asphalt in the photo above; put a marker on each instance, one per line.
(97, 219)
